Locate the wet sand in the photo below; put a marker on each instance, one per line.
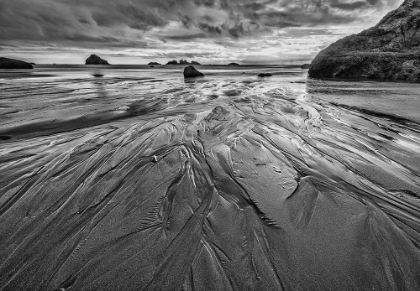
(141, 181)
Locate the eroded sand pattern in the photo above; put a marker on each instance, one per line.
(233, 184)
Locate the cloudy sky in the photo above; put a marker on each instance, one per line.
(208, 31)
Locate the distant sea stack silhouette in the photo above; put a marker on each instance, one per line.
(95, 60)
(6, 63)
(388, 51)
(183, 62)
(191, 72)
(154, 64)
(233, 64)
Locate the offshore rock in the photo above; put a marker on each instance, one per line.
(191, 72)
(264, 75)
(388, 51)
(6, 63)
(185, 62)
(95, 60)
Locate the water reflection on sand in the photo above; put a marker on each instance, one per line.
(139, 180)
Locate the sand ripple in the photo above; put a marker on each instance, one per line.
(205, 186)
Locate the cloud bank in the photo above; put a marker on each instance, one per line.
(160, 26)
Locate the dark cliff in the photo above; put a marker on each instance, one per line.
(388, 51)
(6, 63)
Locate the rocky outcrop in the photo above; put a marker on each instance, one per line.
(95, 60)
(6, 63)
(264, 75)
(183, 62)
(233, 64)
(191, 72)
(388, 51)
(154, 64)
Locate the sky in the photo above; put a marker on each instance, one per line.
(207, 31)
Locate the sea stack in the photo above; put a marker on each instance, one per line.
(388, 51)
(191, 72)
(264, 75)
(6, 63)
(95, 60)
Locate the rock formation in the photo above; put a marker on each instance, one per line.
(95, 60)
(263, 75)
(233, 64)
(388, 51)
(191, 72)
(154, 64)
(6, 63)
(183, 62)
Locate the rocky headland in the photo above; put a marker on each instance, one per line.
(6, 63)
(96, 60)
(388, 51)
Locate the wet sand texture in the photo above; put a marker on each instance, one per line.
(191, 189)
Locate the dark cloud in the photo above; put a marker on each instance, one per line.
(349, 6)
(207, 3)
(210, 28)
(184, 37)
(125, 21)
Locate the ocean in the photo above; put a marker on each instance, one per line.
(134, 178)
